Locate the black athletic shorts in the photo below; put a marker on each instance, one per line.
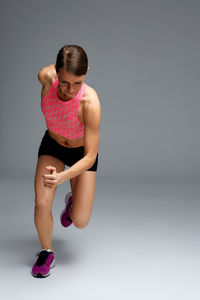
(68, 155)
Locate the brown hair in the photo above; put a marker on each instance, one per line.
(73, 59)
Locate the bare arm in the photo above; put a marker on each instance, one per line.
(92, 119)
(46, 76)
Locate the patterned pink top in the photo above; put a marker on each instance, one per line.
(60, 116)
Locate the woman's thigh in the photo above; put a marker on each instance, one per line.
(44, 194)
(83, 191)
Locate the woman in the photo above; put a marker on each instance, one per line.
(72, 113)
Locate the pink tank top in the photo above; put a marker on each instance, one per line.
(62, 117)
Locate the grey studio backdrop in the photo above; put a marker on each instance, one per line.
(142, 241)
(144, 65)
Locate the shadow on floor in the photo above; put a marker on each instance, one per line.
(22, 251)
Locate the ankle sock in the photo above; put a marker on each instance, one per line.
(49, 250)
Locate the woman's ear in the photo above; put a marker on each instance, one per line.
(88, 67)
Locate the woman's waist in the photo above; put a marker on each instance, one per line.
(63, 141)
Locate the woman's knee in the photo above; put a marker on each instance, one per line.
(80, 222)
(80, 225)
(42, 205)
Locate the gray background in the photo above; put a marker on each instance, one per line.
(144, 65)
(143, 237)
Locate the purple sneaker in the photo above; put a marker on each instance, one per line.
(44, 263)
(64, 217)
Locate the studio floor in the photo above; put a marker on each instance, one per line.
(142, 243)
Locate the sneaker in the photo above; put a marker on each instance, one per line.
(64, 217)
(44, 263)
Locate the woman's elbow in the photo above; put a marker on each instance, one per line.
(91, 159)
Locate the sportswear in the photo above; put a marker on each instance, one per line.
(64, 217)
(68, 155)
(61, 117)
(44, 263)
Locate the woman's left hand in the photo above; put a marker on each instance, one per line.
(52, 179)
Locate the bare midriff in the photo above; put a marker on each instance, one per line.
(66, 142)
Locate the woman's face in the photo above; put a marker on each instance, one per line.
(69, 84)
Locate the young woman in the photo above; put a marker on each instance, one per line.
(72, 113)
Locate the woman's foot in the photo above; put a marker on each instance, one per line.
(64, 217)
(44, 263)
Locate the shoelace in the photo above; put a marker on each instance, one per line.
(42, 256)
(37, 253)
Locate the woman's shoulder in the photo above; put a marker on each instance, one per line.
(47, 75)
(90, 94)
(90, 99)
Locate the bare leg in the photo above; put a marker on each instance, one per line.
(44, 196)
(83, 190)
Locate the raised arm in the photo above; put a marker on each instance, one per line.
(46, 77)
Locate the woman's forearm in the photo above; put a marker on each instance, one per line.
(79, 167)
